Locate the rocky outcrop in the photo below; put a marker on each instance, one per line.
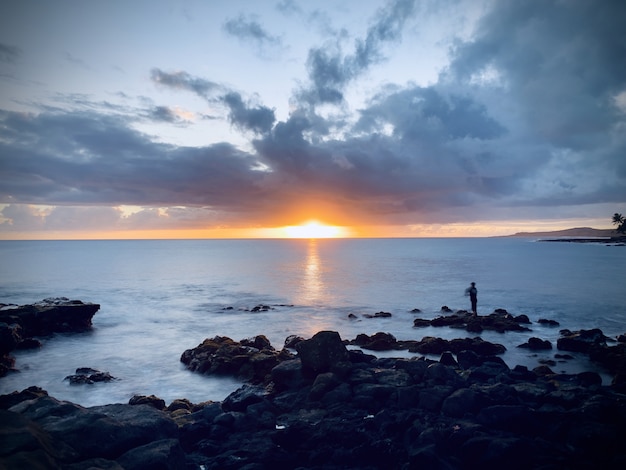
(19, 324)
(329, 407)
(427, 345)
(89, 376)
(500, 321)
(249, 359)
(52, 315)
(44, 432)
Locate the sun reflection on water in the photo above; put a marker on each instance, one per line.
(312, 287)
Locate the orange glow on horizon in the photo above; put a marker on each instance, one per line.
(314, 229)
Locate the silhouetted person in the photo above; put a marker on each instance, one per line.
(473, 295)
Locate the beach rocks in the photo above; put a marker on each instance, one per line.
(250, 359)
(20, 323)
(536, 344)
(43, 432)
(321, 352)
(87, 375)
(332, 408)
(427, 345)
(581, 341)
(52, 315)
(500, 321)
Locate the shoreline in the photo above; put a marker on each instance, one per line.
(319, 405)
(316, 404)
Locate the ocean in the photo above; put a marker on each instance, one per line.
(161, 297)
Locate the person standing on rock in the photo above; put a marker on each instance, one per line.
(473, 295)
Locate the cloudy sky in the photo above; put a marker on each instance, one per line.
(236, 118)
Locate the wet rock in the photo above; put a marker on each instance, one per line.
(378, 315)
(292, 340)
(250, 359)
(349, 410)
(19, 323)
(433, 345)
(545, 322)
(581, 341)
(536, 344)
(151, 400)
(377, 342)
(52, 315)
(321, 352)
(500, 321)
(89, 376)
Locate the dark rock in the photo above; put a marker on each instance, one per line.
(28, 343)
(164, 454)
(580, 341)
(350, 410)
(18, 324)
(288, 374)
(10, 337)
(543, 321)
(292, 340)
(53, 315)
(86, 375)
(416, 310)
(460, 403)
(259, 342)
(151, 400)
(448, 359)
(321, 352)
(12, 399)
(421, 323)
(261, 308)
(536, 344)
(79, 430)
(251, 359)
(377, 342)
(378, 315)
(500, 321)
(243, 397)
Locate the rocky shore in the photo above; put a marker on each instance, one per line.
(21, 324)
(322, 403)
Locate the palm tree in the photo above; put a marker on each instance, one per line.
(618, 219)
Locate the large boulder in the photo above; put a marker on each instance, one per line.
(581, 341)
(321, 352)
(52, 315)
(249, 359)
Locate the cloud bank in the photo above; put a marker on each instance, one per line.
(527, 120)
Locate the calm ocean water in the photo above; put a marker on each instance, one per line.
(161, 297)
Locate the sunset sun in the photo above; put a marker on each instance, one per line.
(313, 229)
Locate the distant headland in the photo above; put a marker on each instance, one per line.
(578, 234)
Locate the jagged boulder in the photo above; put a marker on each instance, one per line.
(581, 341)
(52, 315)
(322, 352)
(249, 359)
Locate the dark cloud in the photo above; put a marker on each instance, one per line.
(561, 62)
(163, 113)
(246, 116)
(9, 54)
(259, 119)
(249, 29)
(530, 113)
(184, 81)
(88, 158)
(330, 71)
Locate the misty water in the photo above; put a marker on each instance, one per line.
(161, 297)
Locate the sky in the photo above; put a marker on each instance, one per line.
(186, 119)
